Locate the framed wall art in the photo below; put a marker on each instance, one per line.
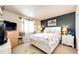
(52, 22)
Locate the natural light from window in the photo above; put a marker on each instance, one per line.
(28, 26)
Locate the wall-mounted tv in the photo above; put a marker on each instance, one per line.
(10, 25)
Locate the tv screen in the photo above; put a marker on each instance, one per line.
(10, 25)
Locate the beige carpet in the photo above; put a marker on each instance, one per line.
(62, 49)
(28, 49)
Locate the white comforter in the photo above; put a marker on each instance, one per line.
(45, 37)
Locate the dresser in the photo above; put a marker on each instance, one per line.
(68, 40)
(13, 37)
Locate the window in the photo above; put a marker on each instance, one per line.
(31, 26)
(28, 26)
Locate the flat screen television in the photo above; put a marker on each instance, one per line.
(10, 25)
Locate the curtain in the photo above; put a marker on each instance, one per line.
(28, 26)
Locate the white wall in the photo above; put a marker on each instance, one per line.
(37, 24)
(77, 28)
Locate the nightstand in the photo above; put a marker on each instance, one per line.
(68, 40)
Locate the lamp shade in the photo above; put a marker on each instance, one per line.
(64, 29)
(40, 28)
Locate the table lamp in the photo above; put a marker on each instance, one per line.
(64, 30)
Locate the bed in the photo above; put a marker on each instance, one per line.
(48, 40)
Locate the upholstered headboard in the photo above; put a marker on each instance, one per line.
(53, 30)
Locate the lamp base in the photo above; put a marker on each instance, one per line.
(64, 33)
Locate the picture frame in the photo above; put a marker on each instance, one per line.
(52, 22)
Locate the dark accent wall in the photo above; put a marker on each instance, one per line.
(63, 20)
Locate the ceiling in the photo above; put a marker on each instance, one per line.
(40, 12)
